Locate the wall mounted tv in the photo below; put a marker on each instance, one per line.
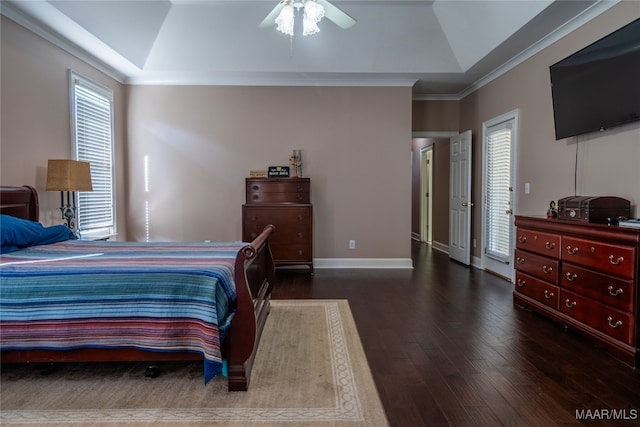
(598, 87)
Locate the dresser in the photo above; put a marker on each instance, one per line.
(285, 203)
(585, 276)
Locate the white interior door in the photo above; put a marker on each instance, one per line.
(460, 198)
(499, 137)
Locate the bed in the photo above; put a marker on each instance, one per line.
(78, 301)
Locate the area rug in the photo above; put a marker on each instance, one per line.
(310, 370)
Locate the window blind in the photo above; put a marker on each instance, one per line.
(498, 191)
(93, 124)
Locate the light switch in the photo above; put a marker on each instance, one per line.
(527, 188)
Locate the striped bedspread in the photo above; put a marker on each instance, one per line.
(148, 296)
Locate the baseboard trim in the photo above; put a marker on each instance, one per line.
(477, 262)
(362, 263)
(440, 247)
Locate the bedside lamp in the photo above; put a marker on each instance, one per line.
(68, 176)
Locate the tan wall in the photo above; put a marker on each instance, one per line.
(203, 141)
(608, 162)
(435, 115)
(35, 115)
(356, 143)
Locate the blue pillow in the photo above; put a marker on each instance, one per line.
(16, 233)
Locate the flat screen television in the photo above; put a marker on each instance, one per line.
(598, 87)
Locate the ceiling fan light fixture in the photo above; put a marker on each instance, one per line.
(285, 20)
(309, 27)
(313, 11)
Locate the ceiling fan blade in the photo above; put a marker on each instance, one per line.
(340, 18)
(270, 20)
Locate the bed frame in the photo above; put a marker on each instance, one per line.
(254, 277)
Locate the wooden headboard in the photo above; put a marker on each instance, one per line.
(21, 202)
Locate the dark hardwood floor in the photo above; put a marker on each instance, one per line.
(447, 347)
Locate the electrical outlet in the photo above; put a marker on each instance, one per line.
(352, 244)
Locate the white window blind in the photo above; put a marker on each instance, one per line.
(498, 191)
(92, 120)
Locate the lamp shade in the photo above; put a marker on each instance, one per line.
(68, 175)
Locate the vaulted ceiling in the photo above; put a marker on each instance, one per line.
(441, 48)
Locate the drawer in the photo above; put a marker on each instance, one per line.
(286, 233)
(614, 259)
(538, 266)
(278, 191)
(606, 319)
(601, 287)
(277, 197)
(279, 186)
(541, 243)
(291, 252)
(537, 289)
(277, 216)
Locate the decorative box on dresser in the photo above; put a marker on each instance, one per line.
(285, 203)
(583, 275)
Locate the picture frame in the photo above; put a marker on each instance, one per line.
(278, 172)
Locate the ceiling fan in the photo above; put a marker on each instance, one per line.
(314, 11)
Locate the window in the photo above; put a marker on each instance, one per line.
(498, 190)
(92, 122)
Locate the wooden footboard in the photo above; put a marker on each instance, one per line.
(254, 277)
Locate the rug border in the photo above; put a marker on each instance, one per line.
(348, 403)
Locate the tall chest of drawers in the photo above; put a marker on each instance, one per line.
(584, 276)
(285, 203)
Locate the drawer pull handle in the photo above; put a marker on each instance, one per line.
(520, 260)
(617, 261)
(572, 251)
(300, 252)
(255, 197)
(253, 235)
(521, 282)
(550, 245)
(253, 218)
(614, 293)
(547, 294)
(522, 239)
(300, 217)
(571, 277)
(569, 303)
(256, 187)
(547, 269)
(300, 235)
(614, 325)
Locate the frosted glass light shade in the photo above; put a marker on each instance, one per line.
(285, 20)
(313, 11)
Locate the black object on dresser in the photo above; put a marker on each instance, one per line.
(285, 203)
(585, 276)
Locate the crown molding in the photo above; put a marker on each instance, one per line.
(19, 17)
(572, 25)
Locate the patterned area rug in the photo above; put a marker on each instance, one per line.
(310, 370)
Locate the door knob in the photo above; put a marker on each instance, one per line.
(509, 211)
(465, 204)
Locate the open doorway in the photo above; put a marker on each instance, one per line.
(429, 213)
